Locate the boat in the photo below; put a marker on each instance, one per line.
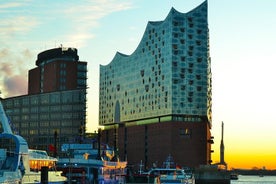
(234, 176)
(169, 173)
(37, 160)
(88, 164)
(15, 158)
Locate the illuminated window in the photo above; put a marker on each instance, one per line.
(185, 132)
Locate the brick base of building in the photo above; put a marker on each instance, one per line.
(189, 143)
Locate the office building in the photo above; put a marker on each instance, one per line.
(57, 69)
(157, 101)
(54, 110)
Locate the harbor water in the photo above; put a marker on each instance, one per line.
(255, 180)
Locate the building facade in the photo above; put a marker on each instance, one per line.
(158, 100)
(54, 111)
(57, 69)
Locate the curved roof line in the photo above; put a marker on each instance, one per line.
(119, 55)
(199, 6)
(154, 23)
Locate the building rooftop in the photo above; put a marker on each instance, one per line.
(57, 53)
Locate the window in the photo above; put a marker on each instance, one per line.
(174, 46)
(199, 59)
(175, 81)
(147, 88)
(185, 132)
(198, 42)
(199, 31)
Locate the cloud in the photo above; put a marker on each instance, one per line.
(86, 16)
(6, 69)
(15, 85)
(27, 25)
(9, 5)
(71, 24)
(14, 70)
(13, 26)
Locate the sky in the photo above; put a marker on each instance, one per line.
(242, 49)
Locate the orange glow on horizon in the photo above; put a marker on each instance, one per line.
(248, 160)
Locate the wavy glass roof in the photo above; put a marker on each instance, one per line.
(168, 73)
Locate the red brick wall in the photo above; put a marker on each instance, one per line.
(34, 81)
(71, 75)
(153, 143)
(51, 76)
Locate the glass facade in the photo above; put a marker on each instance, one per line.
(37, 117)
(169, 73)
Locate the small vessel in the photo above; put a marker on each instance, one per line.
(234, 176)
(37, 160)
(88, 164)
(169, 173)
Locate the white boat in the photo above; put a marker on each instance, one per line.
(169, 173)
(84, 164)
(15, 158)
(37, 160)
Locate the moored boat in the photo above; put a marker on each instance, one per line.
(234, 176)
(84, 164)
(169, 173)
(37, 160)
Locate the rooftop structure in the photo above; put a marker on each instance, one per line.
(57, 69)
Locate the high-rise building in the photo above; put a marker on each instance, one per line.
(54, 111)
(57, 69)
(157, 101)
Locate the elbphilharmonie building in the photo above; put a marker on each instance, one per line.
(157, 101)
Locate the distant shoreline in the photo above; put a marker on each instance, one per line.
(259, 172)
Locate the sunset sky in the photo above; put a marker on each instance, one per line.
(242, 48)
